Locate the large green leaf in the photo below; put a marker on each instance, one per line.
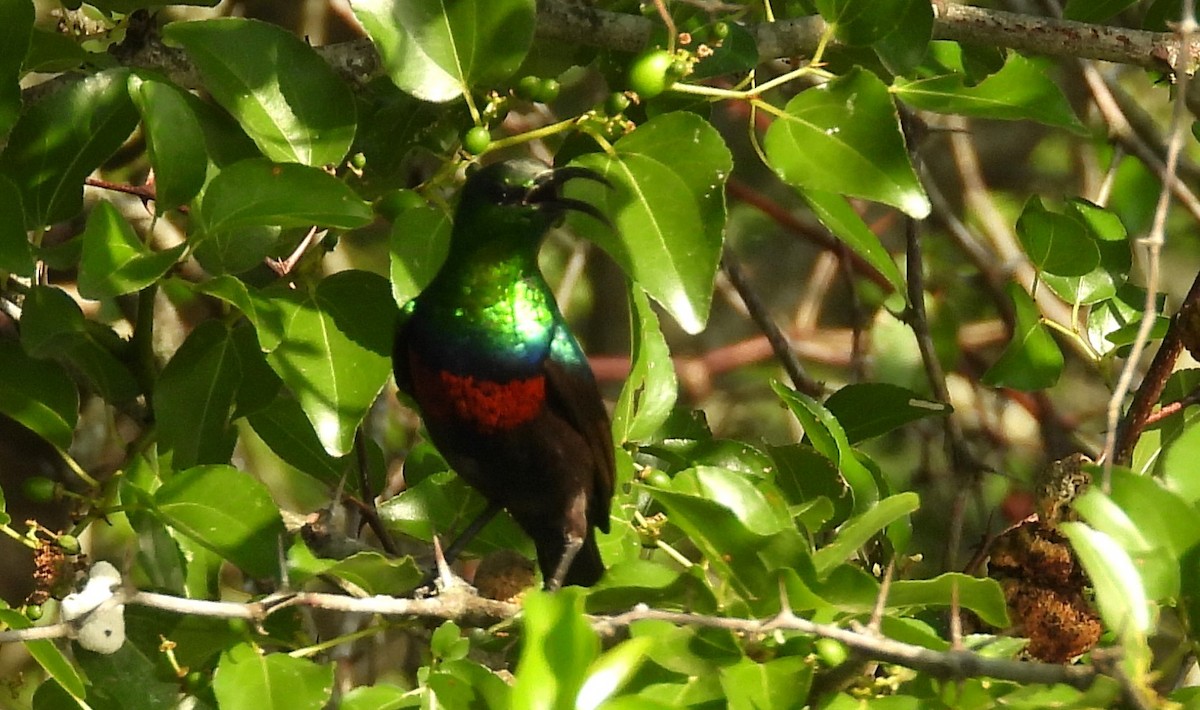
(336, 352)
(667, 202)
(437, 50)
(1020, 90)
(16, 26)
(249, 679)
(650, 390)
(286, 97)
(559, 644)
(1120, 594)
(198, 503)
(194, 397)
(862, 22)
(16, 256)
(1054, 242)
(114, 260)
(983, 596)
(869, 409)
(61, 139)
(38, 394)
(257, 192)
(844, 137)
(1032, 360)
(858, 530)
(283, 426)
(773, 685)
(418, 245)
(174, 140)
(53, 326)
(127, 678)
(904, 48)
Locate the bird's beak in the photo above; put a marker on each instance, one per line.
(545, 191)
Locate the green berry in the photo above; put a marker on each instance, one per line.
(396, 203)
(40, 489)
(616, 103)
(720, 30)
(527, 88)
(33, 612)
(832, 653)
(358, 161)
(648, 73)
(657, 479)
(69, 544)
(677, 70)
(476, 140)
(547, 91)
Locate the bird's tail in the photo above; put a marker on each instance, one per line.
(585, 570)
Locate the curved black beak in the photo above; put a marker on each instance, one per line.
(545, 191)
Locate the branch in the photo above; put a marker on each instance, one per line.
(357, 62)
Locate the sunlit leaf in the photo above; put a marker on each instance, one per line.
(1032, 360)
(250, 679)
(649, 393)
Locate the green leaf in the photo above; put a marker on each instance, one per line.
(194, 398)
(1021, 90)
(51, 51)
(53, 327)
(16, 255)
(1094, 10)
(559, 644)
(284, 428)
(246, 679)
(438, 50)
(174, 140)
(774, 684)
(836, 213)
(667, 202)
(650, 390)
(1115, 321)
(862, 22)
(38, 394)
(611, 671)
(982, 595)
(264, 309)
(114, 260)
(258, 192)
(47, 656)
(844, 137)
(16, 27)
(1054, 242)
(419, 242)
(1166, 518)
(1032, 360)
(1179, 461)
(870, 409)
(127, 678)
(197, 503)
(336, 352)
(286, 97)
(374, 573)
(858, 530)
(829, 438)
(903, 49)
(1120, 596)
(442, 503)
(737, 53)
(61, 139)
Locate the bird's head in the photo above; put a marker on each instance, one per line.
(524, 196)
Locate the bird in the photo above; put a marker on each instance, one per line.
(505, 392)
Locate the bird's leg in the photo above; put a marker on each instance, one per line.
(464, 538)
(574, 544)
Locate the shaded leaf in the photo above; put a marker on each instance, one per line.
(38, 394)
(856, 531)
(16, 27)
(870, 409)
(91, 119)
(1054, 242)
(47, 655)
(16, 254)
(835, 213)
(419, 242)
(194, 397)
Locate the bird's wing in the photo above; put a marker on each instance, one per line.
(571, 391)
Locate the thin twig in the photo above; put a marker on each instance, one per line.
(762, 317)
